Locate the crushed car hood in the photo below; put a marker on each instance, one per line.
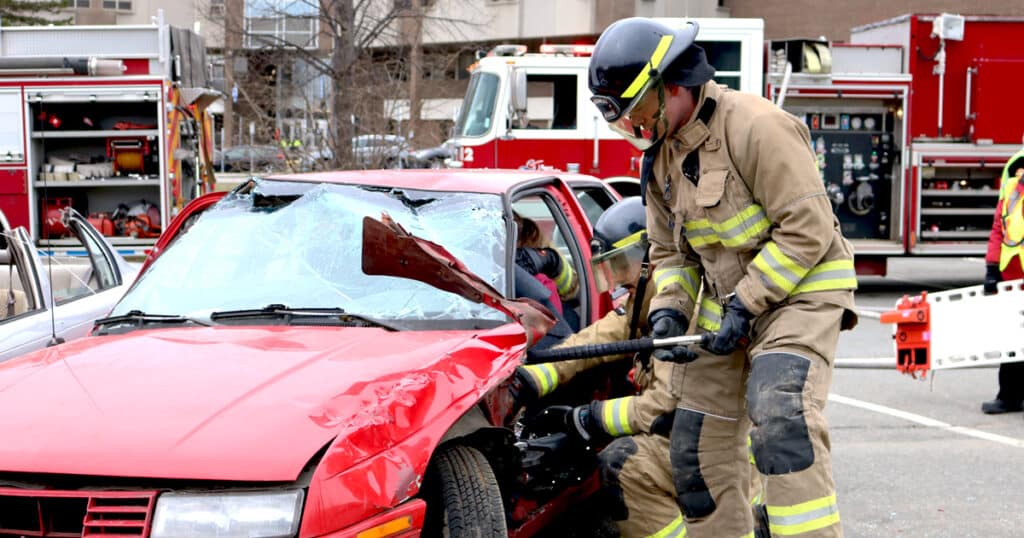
(229, 403)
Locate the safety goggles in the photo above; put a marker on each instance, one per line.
(618, 266)
(621, 121)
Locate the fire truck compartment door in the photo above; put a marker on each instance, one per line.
(93, 94)
(997, 119)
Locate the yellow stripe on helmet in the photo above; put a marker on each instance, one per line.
(645, 73)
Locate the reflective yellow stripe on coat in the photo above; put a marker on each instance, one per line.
(676, 529)
(566, 281)
(686, 277)
(789, 276)
(709, 317)
(615, 416)
(733, 232)
(544, 376)
(804, 517)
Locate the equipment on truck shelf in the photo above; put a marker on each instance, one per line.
(958, 328)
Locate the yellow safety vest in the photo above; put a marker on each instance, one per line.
(1012, 216)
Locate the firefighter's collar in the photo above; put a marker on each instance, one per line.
(695, 131)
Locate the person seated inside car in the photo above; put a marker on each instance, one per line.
(536, 256)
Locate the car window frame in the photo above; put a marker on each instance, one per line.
(553, 199)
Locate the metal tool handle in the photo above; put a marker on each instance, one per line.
(623, 347)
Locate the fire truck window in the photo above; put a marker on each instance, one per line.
(12, 135)
(723, 55)
(477, 112)
(551, 101)
(732, 82)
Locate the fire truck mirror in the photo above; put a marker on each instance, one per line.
(518, 101)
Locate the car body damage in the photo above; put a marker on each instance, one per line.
(328, 335)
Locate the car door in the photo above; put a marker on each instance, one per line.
(563, 225)
(25, 317)
(84, 288)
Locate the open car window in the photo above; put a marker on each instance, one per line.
(18, 285)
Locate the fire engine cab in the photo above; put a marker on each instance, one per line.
(109, 120)
(533, 109)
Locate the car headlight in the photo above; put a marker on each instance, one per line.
(264, 514)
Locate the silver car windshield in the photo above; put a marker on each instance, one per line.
(300, 245)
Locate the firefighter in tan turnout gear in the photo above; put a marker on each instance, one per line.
(735, 206)
(635, 464)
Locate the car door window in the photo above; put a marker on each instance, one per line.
(595, 200)
(74, 277)
(16, 277)
(554, 232)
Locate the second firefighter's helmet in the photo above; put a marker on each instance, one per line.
(619, 243)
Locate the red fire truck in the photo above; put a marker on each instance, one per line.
(110, 120)
(911, 121)
(533, 109)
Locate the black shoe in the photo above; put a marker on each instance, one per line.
(998, 407)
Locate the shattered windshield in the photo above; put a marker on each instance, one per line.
(300, 244)
(477, 112)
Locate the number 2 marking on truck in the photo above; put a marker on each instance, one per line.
(467, 154)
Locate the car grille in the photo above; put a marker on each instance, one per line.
(75, 513)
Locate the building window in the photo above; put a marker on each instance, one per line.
(81, 4)
(119, 5)
(273, 32)
(281, 23)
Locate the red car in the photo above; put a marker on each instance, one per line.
(310, 355)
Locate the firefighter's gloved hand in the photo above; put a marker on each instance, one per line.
(670, 323)
(734, 331)
(539, 260)
(523, 391)
(992, 277)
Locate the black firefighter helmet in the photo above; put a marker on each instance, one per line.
(635, 56)
(620, 241)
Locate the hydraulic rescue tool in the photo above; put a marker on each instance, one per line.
(958, 328)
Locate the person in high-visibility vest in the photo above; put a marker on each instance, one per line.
(1003, 261)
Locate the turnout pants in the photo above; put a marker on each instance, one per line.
(636, 477)
(775, 390)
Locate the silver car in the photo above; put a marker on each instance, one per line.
(54, 298)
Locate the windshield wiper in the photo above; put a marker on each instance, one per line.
(301, 316)
(137, 318)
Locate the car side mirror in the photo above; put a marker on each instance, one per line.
(519, 100)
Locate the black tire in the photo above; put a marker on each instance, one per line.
(463, 497)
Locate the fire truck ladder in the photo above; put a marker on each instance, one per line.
(959, 328)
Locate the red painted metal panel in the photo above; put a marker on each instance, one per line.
(14, 196)
(136, 66)
(616, 157)
(984, 39)
(996, 102)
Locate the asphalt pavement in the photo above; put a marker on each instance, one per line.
(918, 458)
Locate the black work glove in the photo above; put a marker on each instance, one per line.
(992, 277)
(669, 323)
(579, 423)
(734, 331)
(522, 389)
(539, 260)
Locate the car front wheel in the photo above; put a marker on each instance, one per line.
(463, 497)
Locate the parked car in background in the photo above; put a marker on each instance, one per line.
(341, 368)
(57, 295)
(380, 151)
(251, 158)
